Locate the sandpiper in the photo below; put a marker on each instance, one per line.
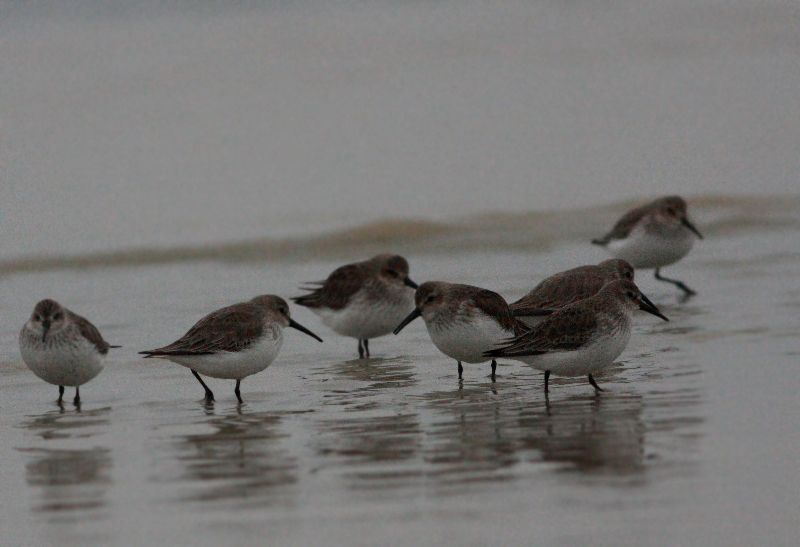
(363, 300)
(61, 347)
(233, 342)
(463, 321)
(581, 338)
(653, 236)
(568, 287)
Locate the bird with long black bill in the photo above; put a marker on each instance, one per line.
(583, 338)
(463, 321)
(233, 342)
(653, 236)
(567, 287)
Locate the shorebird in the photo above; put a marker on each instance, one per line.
(61, 347)
(568, 287)
(582, 338)
(363, 300)
(463, 321)
(653, 236)
(233, 342)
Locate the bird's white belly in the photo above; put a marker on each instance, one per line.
(235, 365)
(365, 319)
(593, 358)
(69, 364)
(468, 342)
(645, 249)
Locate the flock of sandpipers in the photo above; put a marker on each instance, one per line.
(574, 323)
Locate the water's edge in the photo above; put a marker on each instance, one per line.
(535, 230)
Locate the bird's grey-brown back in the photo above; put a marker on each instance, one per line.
(232, 328)
(363, 300)
(443, 304)
(372, 275)
(666, 207)
(570, 286)
(605, 314)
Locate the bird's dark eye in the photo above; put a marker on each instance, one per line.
(631, 294)
(37, 317)
(392, 273)
(670, 211)
(284, 311)
(430, 299)
(629, 275)
(58, 316)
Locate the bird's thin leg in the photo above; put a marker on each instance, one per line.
(494, 368)
(209, 393)
(594, 384)
(547, 381)
(60, 394)
(460, 370)
(680, 284)
(366, 347)
(360, 349)
(77, 399)
(237, 392)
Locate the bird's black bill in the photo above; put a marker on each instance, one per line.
(408, 283)
(45, 328)
(646, 305)
(411, 316)
(295, 325)
(686, 222)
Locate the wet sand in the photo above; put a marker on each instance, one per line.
(694, 441)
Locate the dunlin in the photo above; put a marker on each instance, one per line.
(582, 338)
(568, 287)
(233, 342)
(61, 347)
(463, 321)
(363, 300)
(653, 236)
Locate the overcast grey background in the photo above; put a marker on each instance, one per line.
(129, 124)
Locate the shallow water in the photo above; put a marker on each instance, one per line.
(694, 441)
(160, 162)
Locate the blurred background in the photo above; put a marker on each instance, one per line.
(147, 124)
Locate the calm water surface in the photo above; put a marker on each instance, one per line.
(694, 441)
(158, 161)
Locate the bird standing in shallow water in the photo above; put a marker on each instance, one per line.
(233, 342)
(363, 300)
(582, 338)
(61, 347)
(463, 321)
(568, 287)
(653, 236)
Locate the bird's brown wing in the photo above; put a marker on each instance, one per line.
(556, 292)
(337, 290)
(624, 225)
(89, 332)
(568, 329)
(229, 329)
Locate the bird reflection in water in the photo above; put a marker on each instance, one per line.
(73, 482)
(587, 433)
(241, 461)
